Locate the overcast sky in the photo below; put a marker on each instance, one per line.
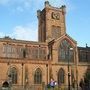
(18, 19)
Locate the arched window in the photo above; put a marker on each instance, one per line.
(65, 51)
(13, 75)
(38, 76)
(61, 77)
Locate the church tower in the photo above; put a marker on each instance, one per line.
(51, 22)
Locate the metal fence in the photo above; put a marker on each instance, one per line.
(20, 87)
(38, 87)
(43, 87)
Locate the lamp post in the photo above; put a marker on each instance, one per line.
(69, 49)
(76, 63)
(47, 72)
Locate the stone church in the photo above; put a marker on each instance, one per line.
(54, 56)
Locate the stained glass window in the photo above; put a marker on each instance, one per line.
(61, 77)
(38, 76)
(13, 75)
(66, 51)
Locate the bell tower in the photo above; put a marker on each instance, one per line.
(51, 22)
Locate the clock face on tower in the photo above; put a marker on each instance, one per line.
(55, 15)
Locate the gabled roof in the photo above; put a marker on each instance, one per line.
(66, 35)
(71, 38)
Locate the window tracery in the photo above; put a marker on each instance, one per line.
(64, 51)
(13, 75)
(61, 76)
(38, 76)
